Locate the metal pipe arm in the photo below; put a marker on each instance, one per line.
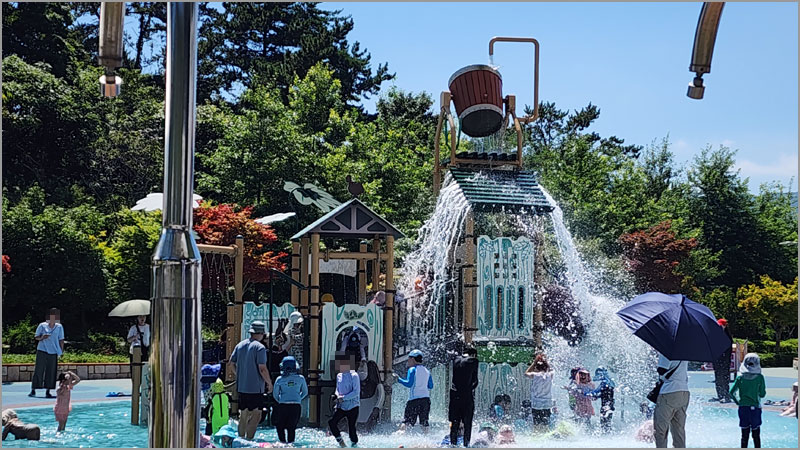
(535, 114)
(704, 38)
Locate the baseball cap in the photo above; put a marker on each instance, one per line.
(415, 354)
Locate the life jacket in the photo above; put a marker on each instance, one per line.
(219, 411)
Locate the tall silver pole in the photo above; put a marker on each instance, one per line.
(176, 343)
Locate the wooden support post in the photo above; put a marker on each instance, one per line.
(235, 335)
(304, 276)
(362, 274)
(295, 273)
(388, 330)
(538, 282)
(136, 382)
(376, 265)
(314, 364)
(469, 277)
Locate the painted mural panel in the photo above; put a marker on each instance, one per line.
(337, 320)
(251, 312)
(505, 282)
(496, 379)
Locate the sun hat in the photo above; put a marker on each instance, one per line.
(289, 364)
(257, 327)
(226, 431)
(751, 365)
(415, 353)
(217, 387)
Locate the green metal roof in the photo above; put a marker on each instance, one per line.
(350, 220)
(501, 189)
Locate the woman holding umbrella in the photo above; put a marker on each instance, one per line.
(680, 330)
(139, 336)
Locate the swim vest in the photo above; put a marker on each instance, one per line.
(219, 411)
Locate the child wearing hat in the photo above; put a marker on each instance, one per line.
(420, 382)
(751, 387)
(218, 407)
(290, 389)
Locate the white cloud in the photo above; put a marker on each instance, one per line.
(728, 143)
(785, 166)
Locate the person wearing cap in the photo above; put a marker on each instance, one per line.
(751, 387)
(722, 369)
(462, 394)
(290, 389)
(420, 382)
(249, 359)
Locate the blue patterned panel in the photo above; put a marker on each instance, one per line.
(505, 284)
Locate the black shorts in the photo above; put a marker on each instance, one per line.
(250, 401)
(419, 407)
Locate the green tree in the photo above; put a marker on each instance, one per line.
(772, 303)
(56, 262)
(251, 44)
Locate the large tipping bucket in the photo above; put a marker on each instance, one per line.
(478, 96)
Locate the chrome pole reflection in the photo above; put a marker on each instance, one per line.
(175, 307)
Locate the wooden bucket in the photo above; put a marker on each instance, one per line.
(477, 92)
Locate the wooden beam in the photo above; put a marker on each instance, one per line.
(314, 400)
(388, 329)
(376, 264)
(136, 382)
(362, 274)
(469, 277)
(372, 256)
(304, 276)
(229, 250)
(295, 273)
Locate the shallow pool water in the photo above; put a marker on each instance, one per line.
(107, 424)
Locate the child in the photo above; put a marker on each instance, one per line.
(541, 392)
(571, 387)
(583, 400)
(218, 407)
(505, 436)
(290, 389)
(751, 388)
(605, 392)
(420, 382)
(348, 398)
(446, 442)
(62, 408)
(486, 436)
(20, 429)
(791, 410)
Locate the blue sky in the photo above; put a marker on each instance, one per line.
(630, 59)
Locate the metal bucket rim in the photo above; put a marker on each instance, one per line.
(479, 107)
(471, 68)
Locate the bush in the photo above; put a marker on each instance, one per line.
(777, 359)
(66, 358)
(100, 344)
(787, 346)
(20, 336)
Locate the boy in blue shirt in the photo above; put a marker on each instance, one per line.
(420, 382)
(348, 398)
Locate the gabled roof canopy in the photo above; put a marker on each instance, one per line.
(350, 220)
(501, 189)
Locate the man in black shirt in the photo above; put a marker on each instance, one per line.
(462, 397)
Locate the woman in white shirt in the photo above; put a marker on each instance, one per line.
(139, 336)
(541, 392)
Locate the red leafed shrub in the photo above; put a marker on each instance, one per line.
(652, 255)
(220, 224)
(6, 265)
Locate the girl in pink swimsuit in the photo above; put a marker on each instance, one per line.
(66, 381)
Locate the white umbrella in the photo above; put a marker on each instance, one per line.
(155, 200)
(131, 308)
(266, 220)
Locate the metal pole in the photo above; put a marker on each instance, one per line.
(176, 348)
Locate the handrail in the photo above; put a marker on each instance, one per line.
(532, 117)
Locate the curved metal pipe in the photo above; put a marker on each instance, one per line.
(110, 48)
(535, 43)
(704, 38)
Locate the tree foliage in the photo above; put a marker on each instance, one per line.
(653, 256)
(772, 303)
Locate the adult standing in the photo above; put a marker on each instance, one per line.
(139, 336)
(673, 399)
(462, 394)
(541, 392)
(50, 337)
(249, 360)
(722, 369)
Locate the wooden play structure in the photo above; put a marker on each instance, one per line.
(349, 228)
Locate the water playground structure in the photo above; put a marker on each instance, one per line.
(479, 272)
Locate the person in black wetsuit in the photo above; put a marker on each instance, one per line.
(722, 369)
(462, 394)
